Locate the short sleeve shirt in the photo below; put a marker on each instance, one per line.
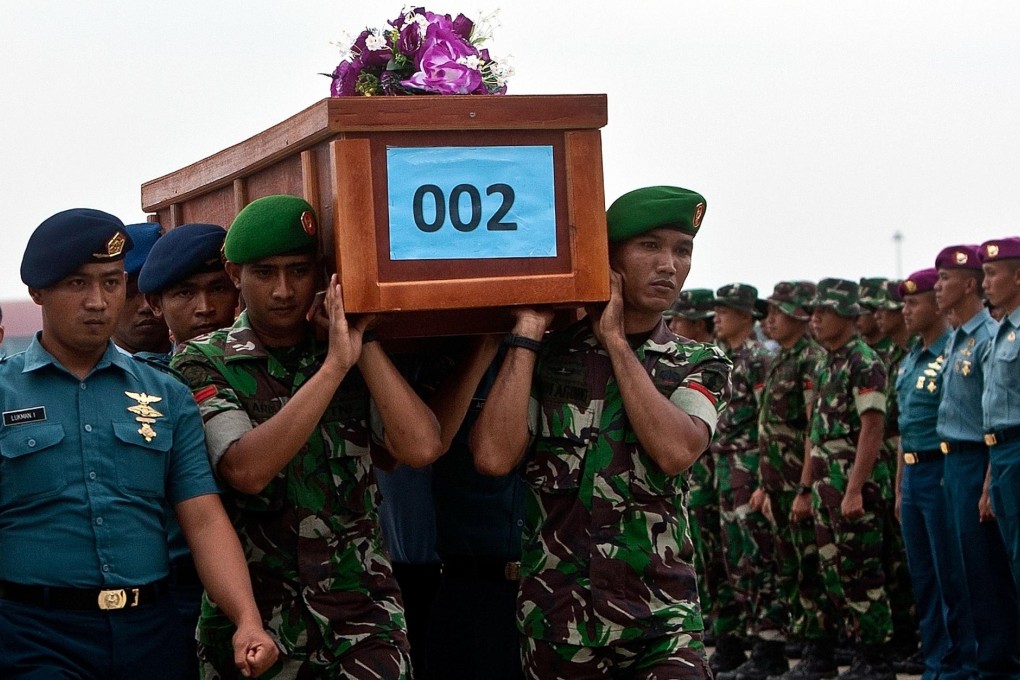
(851, 381)
(960, 416)
(783, 419)
(919, 389)
(1000, 400)
(90, 467)
(606, 548)
(321, 577)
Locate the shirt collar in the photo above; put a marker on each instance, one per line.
(1014, 318)
(37, 357)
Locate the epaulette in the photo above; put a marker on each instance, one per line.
(161, 365)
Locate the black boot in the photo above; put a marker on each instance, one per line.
(767, 658)
(816, 662)
(868, 664)
(728, 654)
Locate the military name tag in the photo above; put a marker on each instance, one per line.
(477, 202)
(25, 415)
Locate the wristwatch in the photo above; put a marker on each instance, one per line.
(513, 340)
(803, 489)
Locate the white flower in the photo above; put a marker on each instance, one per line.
(485, 26)
(376, 41)
(501, 70)
(471, 61)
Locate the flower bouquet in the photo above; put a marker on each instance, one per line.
(420, 52)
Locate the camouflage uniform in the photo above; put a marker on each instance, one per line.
(703, 498)
(851, 381)
(322, 580)
(782, 430)
(746, 535)
(606, 557)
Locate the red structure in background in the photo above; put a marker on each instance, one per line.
(22, 318)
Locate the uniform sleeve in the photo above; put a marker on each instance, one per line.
(190, 474)
(705, 391)
(868, 383)
(221, 411)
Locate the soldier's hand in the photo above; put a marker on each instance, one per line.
(985, 512)
(852, 507)
(532, 322)
(801, 509)
(254, 651)
(344, 340)
(758, 499)
(607, 321)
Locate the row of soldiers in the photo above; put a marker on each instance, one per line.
(881, 434)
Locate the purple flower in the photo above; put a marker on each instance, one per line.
(409, 40)
(345, 78)
(463, 26)
(438, 69)
(370, 58)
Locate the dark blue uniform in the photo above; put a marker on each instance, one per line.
(88, 469)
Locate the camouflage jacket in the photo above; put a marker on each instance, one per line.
(606, 549)
(321, 577)
(851, 380)
(738, 424)
(783, 418)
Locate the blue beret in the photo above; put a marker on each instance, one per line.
(188, 249)
(143, 236)
(69, 239)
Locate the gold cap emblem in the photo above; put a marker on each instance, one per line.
(699, 212)
(961, 257)
(910, 286)
(308, 222)
(992, 250)
(114, 247)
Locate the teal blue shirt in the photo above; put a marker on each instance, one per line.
(1000, 399)
(89, 467)
(918, 390)
(963, 380)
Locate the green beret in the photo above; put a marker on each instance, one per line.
(272, 225)
(645, 209)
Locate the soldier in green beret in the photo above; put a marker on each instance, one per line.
(293, 425)
(606, 415)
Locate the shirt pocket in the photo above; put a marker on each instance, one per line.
(141, 463)
(1008, 351)
(558, 457)
(31, 462)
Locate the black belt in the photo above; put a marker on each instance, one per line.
(1002, 436)
(84, 598)
(482, 568)
(948, 447)
(183, 573)
(915, 457)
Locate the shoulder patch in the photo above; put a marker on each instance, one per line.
(204, 393)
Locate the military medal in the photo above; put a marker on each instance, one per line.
(965, 368)
(1012, 336)
(145, 414)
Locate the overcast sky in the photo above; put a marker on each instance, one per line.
(815, 130)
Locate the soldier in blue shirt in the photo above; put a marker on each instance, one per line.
(987, 581)
(946, 646)
(1000, 400)
(94, 446)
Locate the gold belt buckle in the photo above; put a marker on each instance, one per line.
(944, 448)
(512, 571)
(909, 458)
(117, 599)
(990, 439)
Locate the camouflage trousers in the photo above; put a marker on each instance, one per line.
(703, 508)
(797, 577)
(747, 543)
(850, 555)
(377, 657)
(672, 657)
